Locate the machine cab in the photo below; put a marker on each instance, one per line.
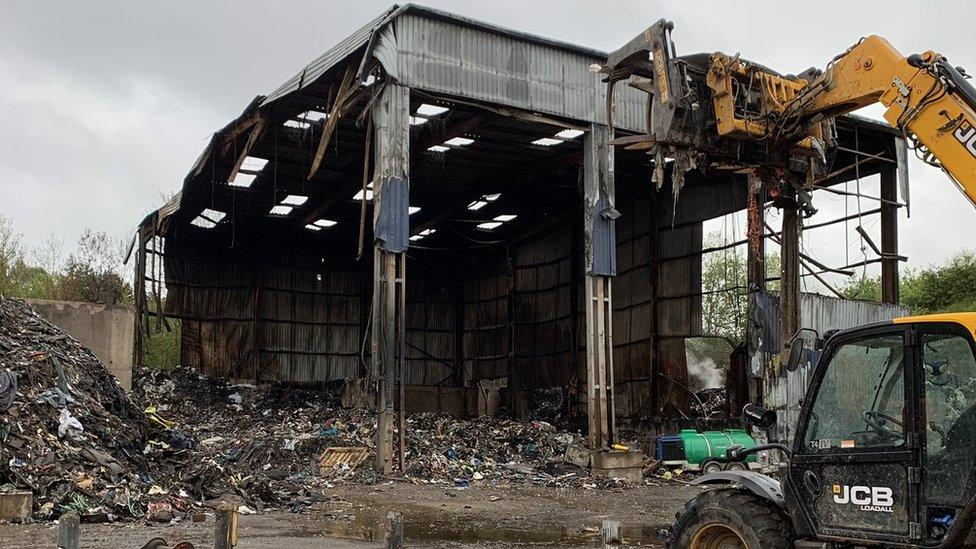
(885, 446)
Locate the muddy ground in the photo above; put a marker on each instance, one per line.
(482, 517)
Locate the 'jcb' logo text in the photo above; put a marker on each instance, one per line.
(867, 498)
(966, 134)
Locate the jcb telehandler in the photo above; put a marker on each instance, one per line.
(883, 454)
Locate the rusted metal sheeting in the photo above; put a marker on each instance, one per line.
(485, 330)
(265, 320)
(543, 312)
(632, 309)
(430, 317)
(783, 390)
(450, 55)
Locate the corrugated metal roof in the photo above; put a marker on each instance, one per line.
(443, 57)
(441, 52)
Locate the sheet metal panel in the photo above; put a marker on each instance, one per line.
(784, 390)
(632, 295)
(543, 311)
(445, 57)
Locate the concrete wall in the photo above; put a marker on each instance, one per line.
(105, 329)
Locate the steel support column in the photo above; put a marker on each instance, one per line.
(889, 234)
(599, 250)
(789, 293)
(391, 201)
(755, 276)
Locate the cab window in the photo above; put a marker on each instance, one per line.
(861, 399)
(950, 414)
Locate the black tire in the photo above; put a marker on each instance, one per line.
(711, 466)
(741, 518)
(736, 466)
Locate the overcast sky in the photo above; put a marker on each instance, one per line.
(105, 105)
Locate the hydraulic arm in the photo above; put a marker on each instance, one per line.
(928, 99)
(754, 114)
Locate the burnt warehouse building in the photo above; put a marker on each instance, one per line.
(432, 212)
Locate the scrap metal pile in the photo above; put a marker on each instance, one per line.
(68, 432)
(270, 444)
(70, 435)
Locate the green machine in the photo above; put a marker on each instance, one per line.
(691, 449)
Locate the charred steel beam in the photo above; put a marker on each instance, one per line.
(889, 235)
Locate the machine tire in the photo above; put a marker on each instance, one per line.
(710, 467)
(736, 466)
(716, 517)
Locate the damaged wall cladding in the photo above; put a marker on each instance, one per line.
(783, 390)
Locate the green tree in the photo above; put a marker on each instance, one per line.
(725, 297)
(934, 289)
(724, 288)
(162, 348)
(94, 272)
(13, 267)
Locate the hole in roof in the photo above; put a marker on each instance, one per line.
(490, 225)
(422, 234)
(313, 116)
(370, 80)
(492, 197)
(313, 227)
(243, 180)
(294, 200)
(359, 195)
(477, 205)
(547, 142)
(417, 120)
(413, 209)
(459, 141)
(438, 148)
(254, 163)
(203, 223)
(325, 222)
(569, 134)
(505, 218)
(297, 124)
(213, 215)
(281, 210)
(431, 110)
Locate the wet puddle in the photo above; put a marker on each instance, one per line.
(422, 524)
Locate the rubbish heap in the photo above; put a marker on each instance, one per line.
(72, 436)
(68, 432)
(267, 444)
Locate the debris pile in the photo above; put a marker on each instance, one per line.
(71, 435)
(259, 444)
(68, 432)
(710, 403)
(268, 443)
